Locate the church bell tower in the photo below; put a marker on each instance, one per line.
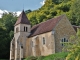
(22, 29)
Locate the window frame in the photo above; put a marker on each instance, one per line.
(63, 40)
(44, 41)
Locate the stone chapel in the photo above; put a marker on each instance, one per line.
(40, 40)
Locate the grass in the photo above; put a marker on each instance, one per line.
(57, 56)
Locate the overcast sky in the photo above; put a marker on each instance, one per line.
(19, 5)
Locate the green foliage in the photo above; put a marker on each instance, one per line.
(75, 14)
(74, 47)
(6, 33)
(57, 56)
(8, 21)
(31, 58)
(50, 9)
(53, 8)
(28, 11)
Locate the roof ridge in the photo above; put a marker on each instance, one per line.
(45, 26)
(48, 20)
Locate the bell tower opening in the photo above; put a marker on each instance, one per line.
(25, 29)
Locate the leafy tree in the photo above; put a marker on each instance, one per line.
(6, 33)
(50, 9)
(74, 47)
(3, 42)
(8, 21)
(75, 15)
(32, 17)
(28, 11)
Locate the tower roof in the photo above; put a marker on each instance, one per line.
(22, 19)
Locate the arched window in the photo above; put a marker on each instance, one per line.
(43, 40)
(17, 29)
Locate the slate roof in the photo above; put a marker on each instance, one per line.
(45, 26)
(22, 19)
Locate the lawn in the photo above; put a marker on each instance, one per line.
(57, 56)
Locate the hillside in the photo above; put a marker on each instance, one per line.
(53, 8)
(57, 56)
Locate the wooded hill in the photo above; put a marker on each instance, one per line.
(53, 8)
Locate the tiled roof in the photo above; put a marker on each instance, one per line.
(45, 26)
(22, 19)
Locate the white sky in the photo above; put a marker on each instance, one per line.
(43, 2)
(3, 11)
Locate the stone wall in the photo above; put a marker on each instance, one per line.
(35, 46)
(46, 48)
(28, 48)
(62, 30)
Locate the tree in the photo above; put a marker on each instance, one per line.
(50, 9)
(8, 21)
(74, 47)
(28, 11)
(6, 33)
(75, 15)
